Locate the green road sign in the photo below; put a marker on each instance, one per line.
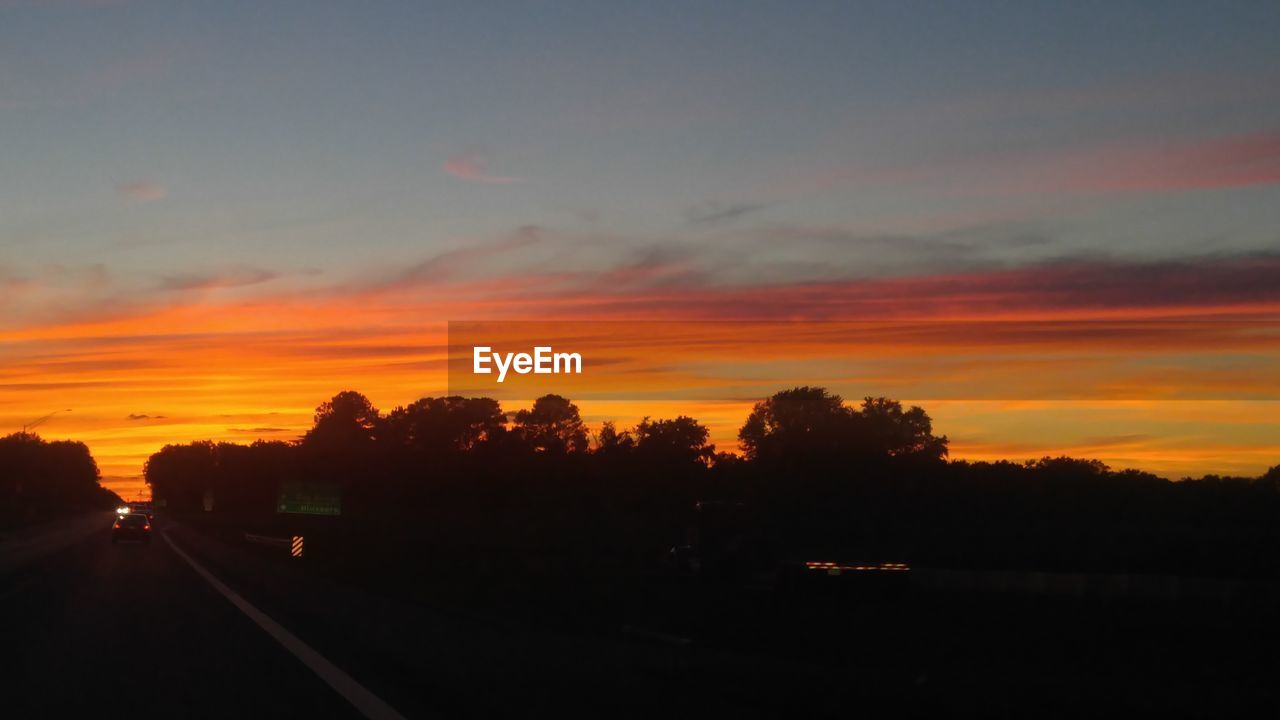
(309, 499)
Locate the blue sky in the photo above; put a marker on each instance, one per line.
(310, 140)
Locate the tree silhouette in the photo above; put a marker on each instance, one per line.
(447, 424)
(347, 420)
(681, 440)
(886, 429)
(808, 423)
(553, 425)
(612, 441)
(1271, 476)
(820, 478)
(182, 473)
(37, 476)
(795, 422)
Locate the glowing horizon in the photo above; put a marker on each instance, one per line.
(1176, 389)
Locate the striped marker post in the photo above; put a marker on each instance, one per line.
(297, 546)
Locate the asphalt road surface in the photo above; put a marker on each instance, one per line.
(98, 629)
(207, 629)
(187, 627)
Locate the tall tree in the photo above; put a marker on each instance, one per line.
(611, 441)
(681, 440)
(347, 420)
(885, 428)
(796, 422)
(446, 424)
(809, 422)
(552, 425)
(54, 474)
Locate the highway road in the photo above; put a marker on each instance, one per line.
(97, 629)
(189, 627)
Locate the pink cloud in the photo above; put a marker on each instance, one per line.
(1233, 161)
(472, 168)
(142, 191)
(1065, 290)
(1147, 165)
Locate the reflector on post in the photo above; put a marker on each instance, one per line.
(297, 546)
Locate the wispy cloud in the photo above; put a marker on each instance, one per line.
(1083, 288)
(142, 192)
(473, 168)
(236, 276)
(715, 213)
(447, 265)
(142, 416)
(1087, 168)
(1220, 162)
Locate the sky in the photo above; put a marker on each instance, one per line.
(214, 216)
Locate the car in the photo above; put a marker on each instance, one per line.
(131, 527)
(136, 508)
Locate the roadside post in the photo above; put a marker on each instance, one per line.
(310, 510)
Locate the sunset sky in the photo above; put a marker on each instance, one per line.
(1065, 217)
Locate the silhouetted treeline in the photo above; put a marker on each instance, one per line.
(458, 484)
(39, 477)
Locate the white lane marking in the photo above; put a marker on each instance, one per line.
(370, 705)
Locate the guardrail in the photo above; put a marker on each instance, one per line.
(293, 544)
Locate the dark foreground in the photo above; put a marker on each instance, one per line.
(96, 629)
(103, 630)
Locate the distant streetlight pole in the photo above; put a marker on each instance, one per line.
(28, 427)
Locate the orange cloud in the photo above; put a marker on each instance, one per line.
(255, 363)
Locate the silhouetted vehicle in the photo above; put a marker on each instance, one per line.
(131, 527)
